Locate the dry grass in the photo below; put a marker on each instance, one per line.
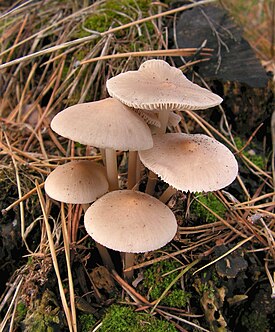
(45, 67)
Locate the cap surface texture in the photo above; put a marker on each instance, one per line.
(191, 162)
(156, 85)
(130, 221)
(77, 182)
(104, 124)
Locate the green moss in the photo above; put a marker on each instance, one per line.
(21, 311)
(158, 277)
(121, 319)
(124, 319)
(256, 158)
(87, 321)
(177, 298)
(255, 321)
(112, 13)
(212, 202)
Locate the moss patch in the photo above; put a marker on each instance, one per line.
(250, 152)
(212, 202)
(158, 277)
(87, 321)
(124, 319)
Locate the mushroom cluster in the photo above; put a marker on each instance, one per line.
(135, 119)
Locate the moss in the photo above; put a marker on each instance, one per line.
(44, 316)
(119, 318)
(87, 321)
(211, 201)
(177, 298)
(255, 157)
(158, 277)
(124, 319)
(21, 311)
(255, 321)
(112, 13)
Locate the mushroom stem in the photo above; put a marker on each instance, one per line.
(111, 168)
(132, 166)
(151, 183)
(103, 251)
(102, 152)
(167, 194)
(128, 261)
(163, 116)
(138, 169)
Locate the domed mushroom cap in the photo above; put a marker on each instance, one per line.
(157, 85)
(105, 124)
(130, 221)
(77, 182)
(191, 162)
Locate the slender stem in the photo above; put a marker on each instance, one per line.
(132, 166)
(111, 167)
(167, 194)
(151, 183)
(163, 116)
(128, 261)
(66, 240)
(103, 251)
(102, 151)
(138, 169)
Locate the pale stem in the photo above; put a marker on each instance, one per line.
(138, 169)
(167, 194)
(102, 152)
(163, 116)
(151, 183)
(132, 166)
(103, 251)
(128, 261)
(111, 167)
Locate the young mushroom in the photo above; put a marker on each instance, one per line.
(106, 124)
(191, 162)
(131, 222)
(79, 182)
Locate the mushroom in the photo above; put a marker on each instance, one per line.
(79, 182)
(106, 124)
(191, 162)
(157, 86)
(131, 222)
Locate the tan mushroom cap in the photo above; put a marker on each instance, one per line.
(77, 182)
(191, 162)
(105, 124)
(157, 85)
(130, 221)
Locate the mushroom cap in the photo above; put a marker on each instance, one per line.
(191, 162)
(105, 124)
(130, 221)
(77, 182)
(157, 85)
